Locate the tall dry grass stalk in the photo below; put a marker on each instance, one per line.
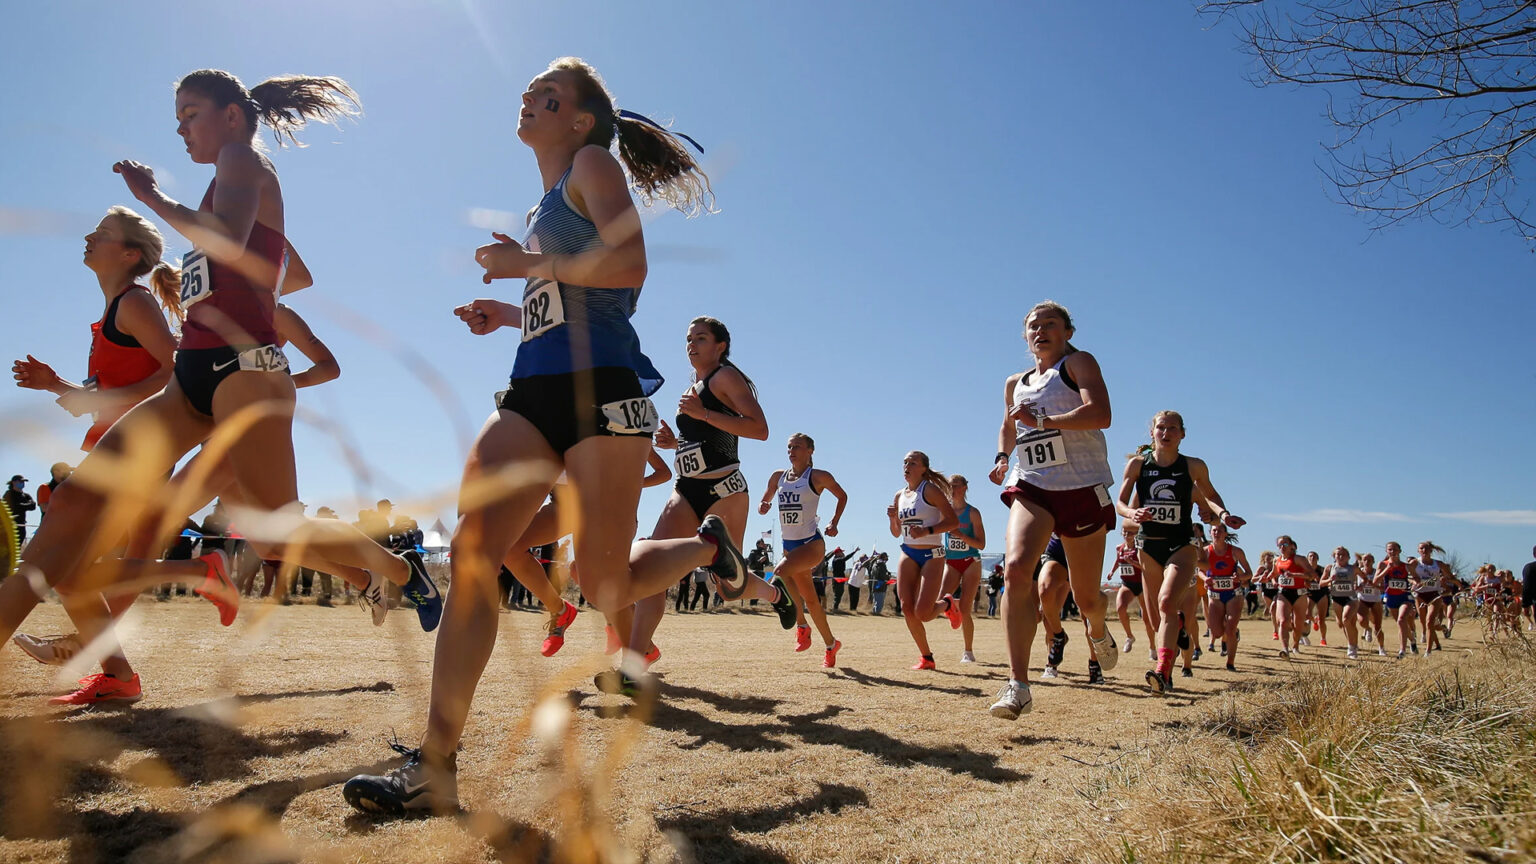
(1377, 763)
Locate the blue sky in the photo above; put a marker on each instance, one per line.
(896, 185)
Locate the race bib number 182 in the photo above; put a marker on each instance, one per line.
(630, 416)
(542, 310)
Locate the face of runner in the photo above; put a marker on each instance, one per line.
(1426, 552)
(205, 127)
(1128, 530)
(957, 493)
(1393, 550)
(799, 455)
(1341, 557)
(1219, 535)
(1287, 547)
(1047, 335)
(704, 351)
(1167, 432)
(912, 469)
(105, 251)
(549, 115)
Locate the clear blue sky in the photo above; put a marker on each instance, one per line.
(897, 185)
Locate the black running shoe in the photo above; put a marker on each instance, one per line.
(730, 570)
(416, 785)
(1189, 673)
(784, 605)
(1183, 639)
(1058, 648)
(1159, 683)
(1095, 673)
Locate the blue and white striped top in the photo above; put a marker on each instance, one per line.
(587, 327)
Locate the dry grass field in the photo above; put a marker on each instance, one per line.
(752, 753)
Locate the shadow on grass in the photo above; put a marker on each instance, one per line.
(711, 833)
(876, 681)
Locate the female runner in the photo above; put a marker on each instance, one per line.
(1429, 578)
(962, 554)
(1264, 577)
(1368, 603)
(1054, 417)
(719, 407)
(1341, 578)
(577, 401)
(1127, 567)
(1317, 603)
(1159, 491)
(798, 489)
(919, 515)
(229, 377)
(1226, 571)
(1392, 579)
(1291, 576)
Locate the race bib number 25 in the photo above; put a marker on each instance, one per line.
(196, 279)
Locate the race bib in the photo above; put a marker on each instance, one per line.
(196, 279)
(1221, 583)
(1041, 448)
(730, 485)
(543, 311)
(267, 358)
(789, 518)
(1165, 512)
(908, 525)
(1127, 571)
(1397, 584)
(956, 543)
(690, 460)
(629, 416)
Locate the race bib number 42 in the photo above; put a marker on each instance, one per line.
(267, 358)
(1042, 448)
(196, 279)
(542, 310)
(629, 416)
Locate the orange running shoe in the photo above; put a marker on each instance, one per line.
(652, 655)
(102, 687)
(952, 611)
(802, 637)
(830, 661)
(217, 587)
(556, 638)
(925, 663)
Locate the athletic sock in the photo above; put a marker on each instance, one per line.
(1165, 660)
(928, 657)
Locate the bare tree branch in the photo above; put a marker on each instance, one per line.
(1453, 80)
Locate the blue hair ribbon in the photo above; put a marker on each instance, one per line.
(652, 123)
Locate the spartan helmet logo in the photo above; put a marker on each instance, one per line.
(1162, 490)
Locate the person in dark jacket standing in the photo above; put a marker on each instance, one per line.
(20, 504)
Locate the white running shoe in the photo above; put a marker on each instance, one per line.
(1012, 700)
(1366, 635)
(49, 650)
(1049, 673)
(968, 657)
(1381, 652)
(372, 599)
(1151, 655)
(1108, 651)
(1352, 654)
(1305, 641)
(1130, 641)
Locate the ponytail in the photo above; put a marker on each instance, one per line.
(659, 166)
(931, 475)
(285, 103)
(165, 282)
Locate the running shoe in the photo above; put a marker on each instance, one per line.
(1366, 635)
(1058, 648)
(1158, 682)
(1447, 630)
(1304, 641)
(372, 599)
(1108, 651)
(967, 657)
(802, 638)
(615, 682)
(1352, 654)
(102, 687)
(1183, 642)
(1224, 648)
(1130, 642)
(952, 611)
(421, 590)
(1231, 668)
(1323, 643)
(1197, 654)
(924, 663)
(1095, 673)
(1275, 635)
(1414, 647)
(1151, 655)
(653, 655)
(217, 587)
(49, 650)
(1399, 653)
(416, 785)
(1212, 646)
(1380, 651)
(729, 569)
(1188, 672)
(1284, 654)
(1013, 700)
(784, 605)
(829, 661)
(556, 638)
(1049, 673)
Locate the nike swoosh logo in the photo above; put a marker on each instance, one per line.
(1086, 527)
(219, 367)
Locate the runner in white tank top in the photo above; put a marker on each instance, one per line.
(919, 515)
(1054, 417)
(798, 490)
(1342, 581)
(1429, 586)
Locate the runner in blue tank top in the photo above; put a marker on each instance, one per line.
(577, 401)
(962, 575)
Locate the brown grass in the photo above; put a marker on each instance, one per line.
(753, 753)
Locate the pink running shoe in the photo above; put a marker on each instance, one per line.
(217, 587)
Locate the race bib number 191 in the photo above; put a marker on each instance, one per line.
(542, 310)
(196, 279)
(1042, 449)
